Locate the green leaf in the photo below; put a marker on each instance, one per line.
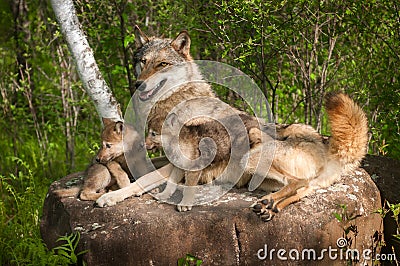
(338, 216)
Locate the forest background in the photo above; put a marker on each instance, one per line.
(294, 50)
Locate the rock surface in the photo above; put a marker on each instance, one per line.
(141, 231)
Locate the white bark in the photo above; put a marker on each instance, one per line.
(93, 82)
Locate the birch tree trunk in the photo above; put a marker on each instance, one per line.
(89, 72)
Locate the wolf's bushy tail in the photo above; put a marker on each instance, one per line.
(349, 128)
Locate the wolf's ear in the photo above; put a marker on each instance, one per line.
(181, 43)
(172, 122)
(140, 37)
(106, 121)
(119, 126)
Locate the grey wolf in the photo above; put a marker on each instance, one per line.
(208, 138)
(304, 161)
(158, 94)
(165, 56)
(161, 94)
(110, 171)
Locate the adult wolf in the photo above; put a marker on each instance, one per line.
(304, 161)
(177, 81)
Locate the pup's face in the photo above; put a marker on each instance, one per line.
(112, 142)
(153, 140)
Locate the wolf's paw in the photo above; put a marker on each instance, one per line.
(265, 209)
(163, 196)
(183, 208)
(108, 199)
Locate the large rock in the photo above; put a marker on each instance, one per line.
(141, 231)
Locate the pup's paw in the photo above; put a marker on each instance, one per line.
(108, 199)
(183, 208)
(265, 209)
(163, 196)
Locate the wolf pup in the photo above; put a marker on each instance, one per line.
(203, 138)
(110, 170)
(304, 161)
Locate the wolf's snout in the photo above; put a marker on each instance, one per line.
(140, 85)
(97, 159)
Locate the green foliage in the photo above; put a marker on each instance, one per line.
(189, 260)
(295, 51)
(68, 249)
(344, 215)
(394, 211)
(20, 209)
(350, 233)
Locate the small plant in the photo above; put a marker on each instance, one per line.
(394, 209)
(344, 216)
(350, 230)
(189, 260)
(68, 250)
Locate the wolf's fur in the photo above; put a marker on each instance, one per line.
(304, 161)
(157, 55)
(187, 136)
(159, 94)
(110, 170)
(97, 181)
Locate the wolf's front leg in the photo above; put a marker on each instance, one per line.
(118, 173)
(142, 185)
(192, 179)
(176, 176)
(112, 198)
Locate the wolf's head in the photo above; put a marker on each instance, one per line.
(156, 54)
(116, 138)
(153, 140)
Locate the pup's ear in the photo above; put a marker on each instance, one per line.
(172, 123)
(181, 43)
(140, 37)
(119, 126)
(106, 121)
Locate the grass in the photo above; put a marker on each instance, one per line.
(21, 208)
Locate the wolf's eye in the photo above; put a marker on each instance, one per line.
(108, 145)
(153, 134)
(163, 64)
(143, 61)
